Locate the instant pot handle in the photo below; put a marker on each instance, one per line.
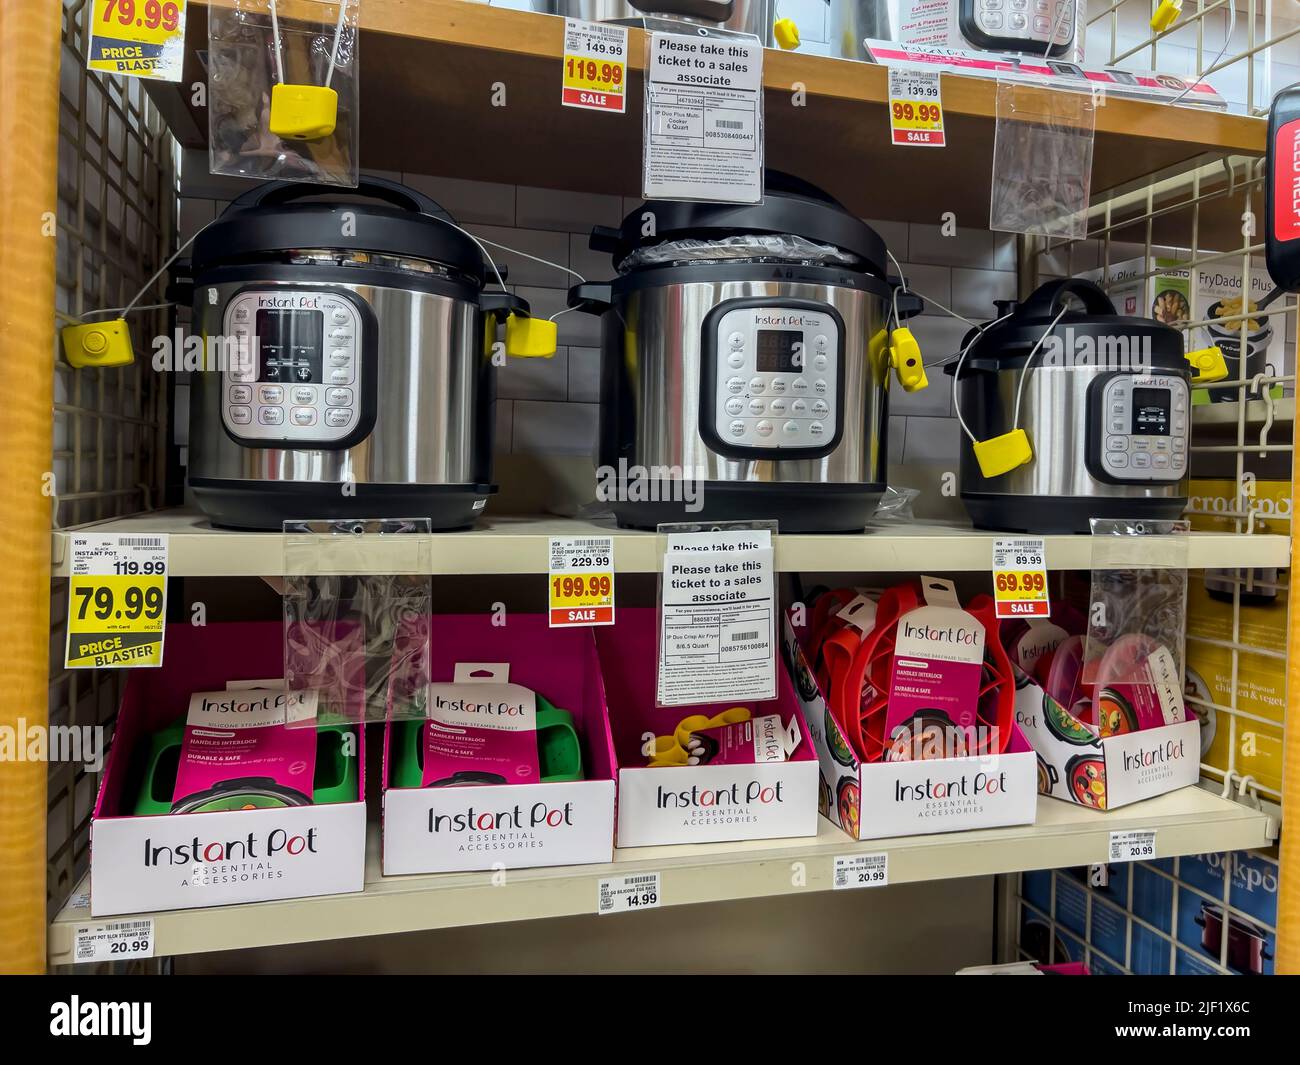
(273, 193)
(591, 297)
(500, 305)
(705, 10)
(908, 302)
(1045, 302)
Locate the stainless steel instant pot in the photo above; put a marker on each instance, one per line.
(849, 21)
(744, 363)
(1106, 408)
(366, 389)
(740, 16)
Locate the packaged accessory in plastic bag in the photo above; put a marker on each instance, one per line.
(783, 247)
(283, 90)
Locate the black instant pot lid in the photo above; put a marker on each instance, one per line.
(283, 216)
(790, 205)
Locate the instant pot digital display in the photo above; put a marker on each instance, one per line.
(776, 350)
(1151, 411)
(289, 346)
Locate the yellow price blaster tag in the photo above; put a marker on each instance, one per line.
(139, 38)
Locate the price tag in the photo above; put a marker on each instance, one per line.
(621, 894)
(1020, 578)
(117, 601)
(116, 941)
(138, 38)
(1138, 845)
(581, 573)
(595, 66)
(915, 108)
(861, 870)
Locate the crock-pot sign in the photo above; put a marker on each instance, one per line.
(717, 639)
(703, 119)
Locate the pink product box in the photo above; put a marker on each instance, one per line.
(516, 826)
(881, 799)
(182, 861)
(706, 803)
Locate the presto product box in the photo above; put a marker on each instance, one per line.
(874, 800)
(261, 845)
(764, 788)
(469, 791)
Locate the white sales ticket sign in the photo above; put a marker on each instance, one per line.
(703, 119)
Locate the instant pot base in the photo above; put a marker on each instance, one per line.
(796, 507)
(267, 505)
(1062, 514)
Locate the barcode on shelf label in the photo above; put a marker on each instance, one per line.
(140, 541)
(724, 123)
(750, 634)
(1138, 845)
(620, 894)
(861, 870)
(114, 941)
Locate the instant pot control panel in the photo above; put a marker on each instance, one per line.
(772, 373)
(1139, 428)
(306, 374)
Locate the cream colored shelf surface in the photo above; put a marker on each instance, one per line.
(1189, 821)
(520, 545)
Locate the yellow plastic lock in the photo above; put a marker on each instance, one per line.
(905, 357)
(1166, 14)
(785, 31)
(1002, 454)
(98, 344)
(530, 338)
(1208, 364)
(303, 112)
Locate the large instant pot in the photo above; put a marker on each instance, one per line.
(1106, 408)
(367, 390)
(744, 362)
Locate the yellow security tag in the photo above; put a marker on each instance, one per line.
(1002, 454)
(905, 357)
(1166, 14)
(1208, 364)
(98, 344)
(785, 31)
(530, 338)
(303, 112)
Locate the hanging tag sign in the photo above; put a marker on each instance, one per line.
(595, 66)
(581, 573)
(117, 601)
(703, 119)
(915, 109)
(1020, 578)
(138, 38)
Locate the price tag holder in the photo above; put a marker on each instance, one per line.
(860, 870)
(581, 573)
(595, 66)
(915, 108)
(1138, 845)
(117, 601)
(138, 38)
(1020, 578)
(115, 941)
(623, 894)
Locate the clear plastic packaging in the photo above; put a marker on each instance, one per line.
(783, 247)
(307, 48)
(895, 506)
(357, 598)
(1042, 161)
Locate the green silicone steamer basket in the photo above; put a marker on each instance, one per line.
(335, 779)
(559, 755)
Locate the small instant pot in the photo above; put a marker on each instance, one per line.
(1107, 410)
(365, 388)
(745, 356)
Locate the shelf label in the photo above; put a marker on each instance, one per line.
(622, 894)
(861, 870)
(1020, 578)
(703, 119)
(117, 601)
(138, 38)
(915, 108)
(115, 941)
(1138, 845)
(595, 66)
(581, 575)
(717, 639)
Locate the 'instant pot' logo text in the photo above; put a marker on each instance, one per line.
(755, 792)
(630, 483)
(965, 786)
(1149, 757)
(539, 815)
(278, 843)
(953, 635)
(488, 708)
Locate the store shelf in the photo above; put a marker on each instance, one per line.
(1190, 821)
(1218, 415)
(505, 545)
(435, 63)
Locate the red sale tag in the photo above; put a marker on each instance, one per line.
(915, 109)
